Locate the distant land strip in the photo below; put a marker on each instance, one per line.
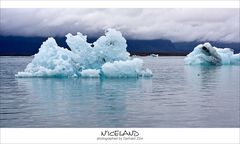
(27, 46)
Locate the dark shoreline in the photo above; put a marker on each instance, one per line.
(142, 55)
(27, 46)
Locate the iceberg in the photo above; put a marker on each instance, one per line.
(106, 57)
(206, 54)
(128, 68)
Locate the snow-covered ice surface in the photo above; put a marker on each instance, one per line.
(199, 57)
(106, 57)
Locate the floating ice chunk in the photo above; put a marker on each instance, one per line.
(85, 59)
(50, 61)
(128, 68)
(108, 48)
(91, 73)
(206, 54)
(112, 47)
(154, 55)
(146, 73)
(235, 59)
(78, 43)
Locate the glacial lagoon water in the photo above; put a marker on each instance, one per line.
(177, 95)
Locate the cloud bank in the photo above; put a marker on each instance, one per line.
(173, 24)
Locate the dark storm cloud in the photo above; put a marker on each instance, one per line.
(174, 24)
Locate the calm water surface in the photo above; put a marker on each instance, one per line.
(176, 96)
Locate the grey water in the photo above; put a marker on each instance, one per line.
(177, 96)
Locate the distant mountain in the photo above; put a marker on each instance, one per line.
(187, 47)
(26, 46)
(146, 47)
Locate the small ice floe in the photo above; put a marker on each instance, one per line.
(154, 55)
(206, 54)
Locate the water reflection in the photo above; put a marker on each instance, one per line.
(176, 96)
(82, 102)
(214, 88)
(202, 78)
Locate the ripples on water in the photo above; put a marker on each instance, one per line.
(176, 96)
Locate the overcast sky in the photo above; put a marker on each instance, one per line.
(173, 24)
